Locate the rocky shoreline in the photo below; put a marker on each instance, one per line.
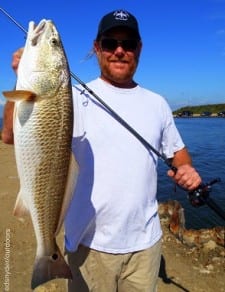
(172, 214)
(195, 258)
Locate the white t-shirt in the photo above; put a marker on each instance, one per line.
(114, 207)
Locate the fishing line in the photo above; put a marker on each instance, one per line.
(13, 20)
(197, 197)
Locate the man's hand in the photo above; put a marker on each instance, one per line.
(186, 177)
(16, 59)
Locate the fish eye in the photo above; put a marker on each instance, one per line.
(54, 41)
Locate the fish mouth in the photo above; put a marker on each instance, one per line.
(35, 31)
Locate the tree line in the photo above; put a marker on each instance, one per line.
(198, 109)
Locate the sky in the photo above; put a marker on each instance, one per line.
(183, 54)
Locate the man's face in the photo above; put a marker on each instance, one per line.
(118, 54)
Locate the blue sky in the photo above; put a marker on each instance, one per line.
(183, 56)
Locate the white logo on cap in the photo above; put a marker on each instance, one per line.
(121, 15)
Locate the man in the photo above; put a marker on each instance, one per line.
(112, 228)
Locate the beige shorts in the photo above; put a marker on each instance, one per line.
(104, 272)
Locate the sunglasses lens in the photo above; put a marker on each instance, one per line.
(112, 44)
(129, 45)
(109, 44)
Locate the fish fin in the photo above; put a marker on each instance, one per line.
(16, 95)
(70, 185)
(20, 208)
(50, 267)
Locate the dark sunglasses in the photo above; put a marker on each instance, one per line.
(108, 44)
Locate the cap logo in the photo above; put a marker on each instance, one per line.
(121, 15)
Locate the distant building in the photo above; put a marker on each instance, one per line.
(185, 114)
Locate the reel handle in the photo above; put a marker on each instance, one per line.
(199, 196)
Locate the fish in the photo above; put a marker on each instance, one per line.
(43, 125)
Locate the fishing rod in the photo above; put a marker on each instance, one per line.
(197, 197)
(125, 124)
(200, 196)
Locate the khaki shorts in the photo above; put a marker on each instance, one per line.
(104, 272)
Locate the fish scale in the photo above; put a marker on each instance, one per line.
(46, 175)
(43, 123)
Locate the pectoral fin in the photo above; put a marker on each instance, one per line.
(16, 95)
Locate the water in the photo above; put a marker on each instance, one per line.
(205, 139)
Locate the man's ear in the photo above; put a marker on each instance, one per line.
(96, 48)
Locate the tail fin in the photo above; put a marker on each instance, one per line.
(47, 268)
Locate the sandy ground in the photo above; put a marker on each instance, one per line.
(182, 268)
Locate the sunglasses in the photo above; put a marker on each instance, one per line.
(108, 44)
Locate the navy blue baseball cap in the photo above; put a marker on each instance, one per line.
(118, 18)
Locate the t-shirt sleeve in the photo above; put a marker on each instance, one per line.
(171, 138)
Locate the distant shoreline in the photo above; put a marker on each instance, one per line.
(213, 115)
(198, 116)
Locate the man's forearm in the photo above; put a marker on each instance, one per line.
(181, 157)
(7, 130)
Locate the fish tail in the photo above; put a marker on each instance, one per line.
(47, 268)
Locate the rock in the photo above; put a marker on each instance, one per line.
(172, 214)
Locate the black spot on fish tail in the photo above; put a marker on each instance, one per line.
(47, 268)
(55, 256)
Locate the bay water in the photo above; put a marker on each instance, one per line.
(205, 140)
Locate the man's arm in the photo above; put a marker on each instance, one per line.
(186, 175)
(7, 130)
